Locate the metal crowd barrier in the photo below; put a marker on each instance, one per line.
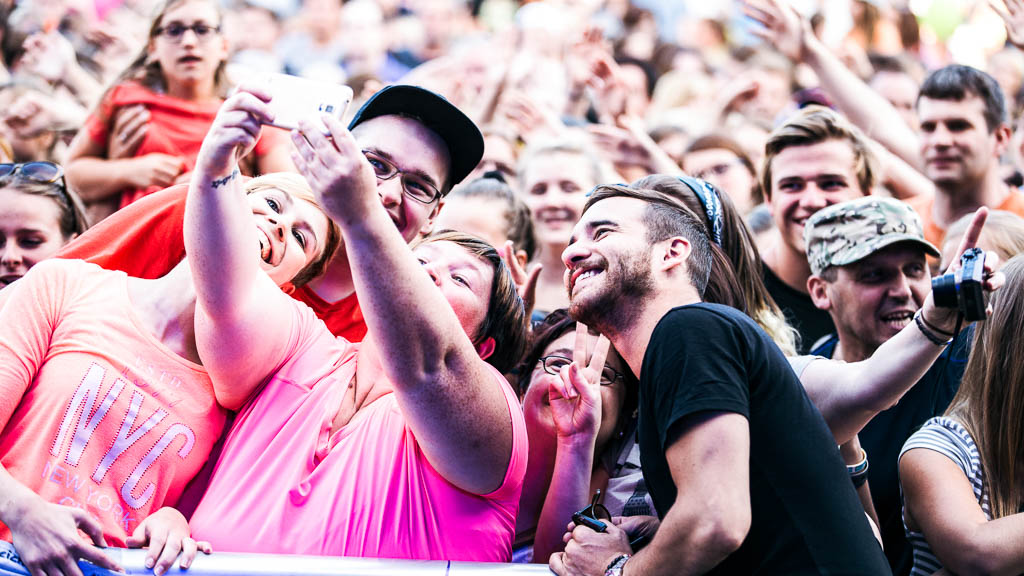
(228, 564)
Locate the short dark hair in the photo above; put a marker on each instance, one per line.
(519, 224)
(958, 82)
(666, 217)
(505, 321)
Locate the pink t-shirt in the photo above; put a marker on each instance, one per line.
(95, 411)
(284, 485)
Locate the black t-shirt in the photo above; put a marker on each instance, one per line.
(883, 437)
(801, 313)
(806, 518)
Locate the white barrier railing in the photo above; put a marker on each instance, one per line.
(228, 564)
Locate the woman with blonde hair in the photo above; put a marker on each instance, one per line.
(961, 473)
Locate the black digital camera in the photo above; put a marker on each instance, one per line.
(964, 289)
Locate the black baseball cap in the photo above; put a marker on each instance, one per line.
(464, 140)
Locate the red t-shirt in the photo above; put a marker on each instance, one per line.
(145, 240)
(175, 127)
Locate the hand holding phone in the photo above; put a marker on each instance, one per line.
(294, 98)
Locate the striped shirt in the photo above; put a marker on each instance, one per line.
(949, 438)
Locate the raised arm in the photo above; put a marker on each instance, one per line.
(241, 315)
(447, 393)
(706, 523)
(575, 401)
(850, 395)
(791, 34)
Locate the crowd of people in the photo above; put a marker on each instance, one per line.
(615, 286)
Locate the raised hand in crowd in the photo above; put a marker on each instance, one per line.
(528, 118)
(782, 26)
(32, 113)
(526, 281)
(1012, 13)
(576, 402)
(578, 63)
(51, 57)
(632, 152)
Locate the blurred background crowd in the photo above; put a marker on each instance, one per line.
(618, 76)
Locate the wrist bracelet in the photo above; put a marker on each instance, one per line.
(933, 327)
(616, 566)
(859, 466)
(859, 472)
(931, 336)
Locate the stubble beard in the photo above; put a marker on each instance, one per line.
(619, 298)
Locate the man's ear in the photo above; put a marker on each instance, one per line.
(485, 348)
(675, 251)
(288, 288)
(818, 289)
(428, 226)
(1003, 135)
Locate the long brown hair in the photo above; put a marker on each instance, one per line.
(736, 264)
(148, 72)
(990, 401)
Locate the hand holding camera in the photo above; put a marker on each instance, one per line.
(964, 288)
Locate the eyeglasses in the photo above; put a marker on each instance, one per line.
(414, 186)
(716, 169)
(176, 31)
(553, 365)
(40, 173)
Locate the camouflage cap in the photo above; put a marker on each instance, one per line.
(844, 233)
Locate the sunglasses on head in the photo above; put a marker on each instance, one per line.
(39, 173)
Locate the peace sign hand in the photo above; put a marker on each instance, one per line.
(575, 398)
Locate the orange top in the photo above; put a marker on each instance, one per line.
(924, 203)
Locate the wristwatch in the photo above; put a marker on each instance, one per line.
(615, 568)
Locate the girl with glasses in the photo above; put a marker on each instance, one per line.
(145, 133)
(581, 437)
(38, 216)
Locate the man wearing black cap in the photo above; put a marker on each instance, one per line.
(417, 132)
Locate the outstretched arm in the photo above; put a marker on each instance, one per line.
(241, 314)
(791, 34)
(850, 395)
(447, 393)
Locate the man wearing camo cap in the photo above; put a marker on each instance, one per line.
(869, 271)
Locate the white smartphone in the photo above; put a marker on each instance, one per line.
(295, 98)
